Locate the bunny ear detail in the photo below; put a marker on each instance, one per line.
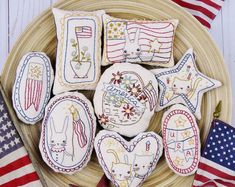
(65, 126)
(127, 36)
(137, 35)
(52, 126)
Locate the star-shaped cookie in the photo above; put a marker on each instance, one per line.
(183, 84)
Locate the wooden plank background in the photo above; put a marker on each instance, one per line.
(15, 15)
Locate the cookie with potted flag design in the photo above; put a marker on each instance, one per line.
(181, 140)
(32, 87)
(183, 84)
(125, 98)
(78, 51)
(128, 163)
(68, 132)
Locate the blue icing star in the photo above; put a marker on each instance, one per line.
(183, 84)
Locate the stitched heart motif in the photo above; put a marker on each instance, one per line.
(128, 163)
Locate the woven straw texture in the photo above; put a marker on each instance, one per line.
(41, 36)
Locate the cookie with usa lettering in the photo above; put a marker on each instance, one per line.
(125, 98)
(32, 88)
(139, 41)
(181, 140)
(68, 132)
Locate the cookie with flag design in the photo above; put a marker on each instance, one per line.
(78, 51)
(68, 132)
(181, 140)
(125, 98)
(32, 88)
(138, 41)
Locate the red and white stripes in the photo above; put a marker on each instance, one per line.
(211, 174)
(203, 10)
(33, 92)
(16, 169)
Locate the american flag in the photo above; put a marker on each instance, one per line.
(204, 11)
(16, 168)
(33, 86)
(163, 31)
(79, 128)
(83, 32)
(151, 94)
(217, 163)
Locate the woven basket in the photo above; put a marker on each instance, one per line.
(41, 36)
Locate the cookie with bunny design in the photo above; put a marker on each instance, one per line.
(138, 41)
(68, 132)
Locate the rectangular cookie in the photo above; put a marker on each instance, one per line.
(78, 49)
(138, 41)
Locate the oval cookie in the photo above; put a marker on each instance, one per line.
(181, 140)
(128, 163)
(125, 98)
(32, 87)
(68, 132)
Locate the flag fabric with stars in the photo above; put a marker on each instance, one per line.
(217, 163)
(16, 168)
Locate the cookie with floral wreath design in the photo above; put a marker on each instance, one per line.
(125, 98)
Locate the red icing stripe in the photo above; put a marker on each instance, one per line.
(216, 172)
(22, 180)
(196, 7)
(15, 165)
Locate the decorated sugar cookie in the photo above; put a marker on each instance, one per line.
(183, 84)
(181, 140)
(138, 41)
(78, 50)
(125, 98)
(128, 163)
(68, 132)
(32, 87)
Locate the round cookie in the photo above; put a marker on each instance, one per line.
(125, 98)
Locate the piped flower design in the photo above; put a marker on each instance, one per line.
(112, 98)
(134, 89)
(142, 98)
(103, 119)
(128, 111)
(127, 81)
(117, 78)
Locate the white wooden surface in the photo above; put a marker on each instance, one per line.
(16, 14)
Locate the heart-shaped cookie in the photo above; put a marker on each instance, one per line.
(128, 163)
